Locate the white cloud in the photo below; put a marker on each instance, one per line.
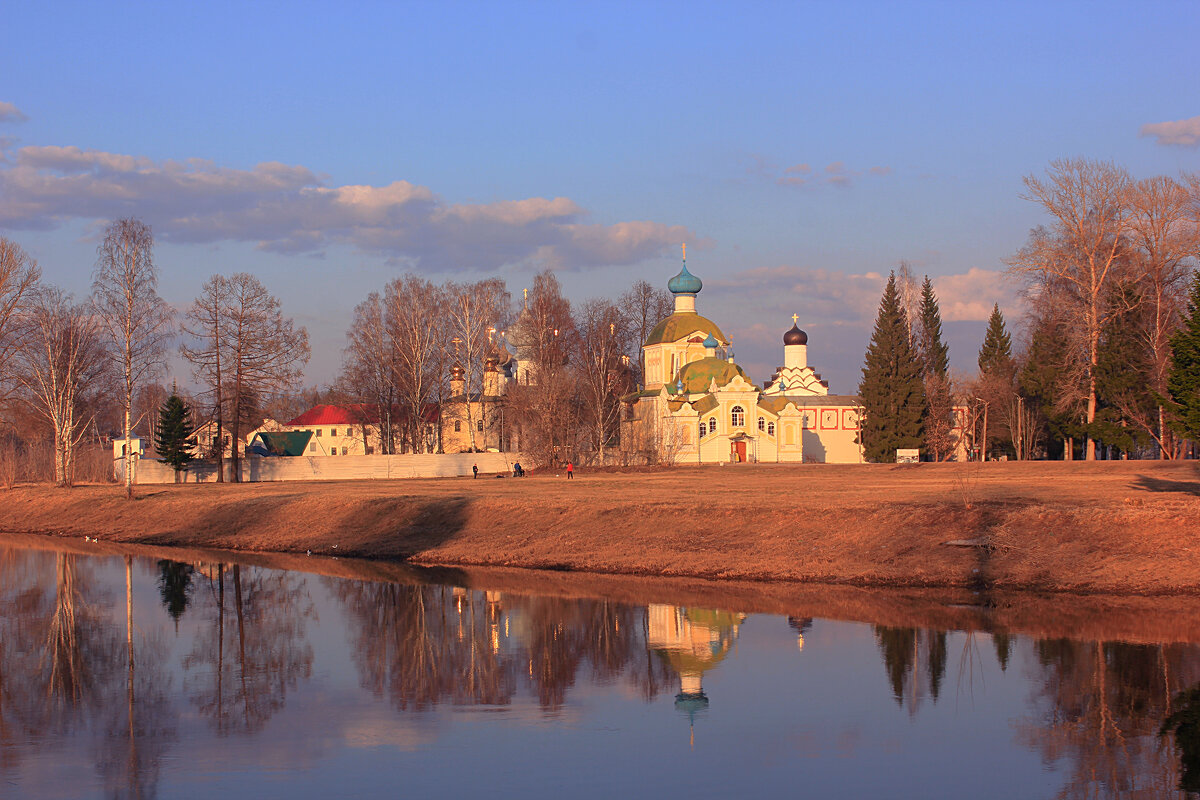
(1180, 133)
(968, 296)
(290, 209)
(839, 297)
(10, 113)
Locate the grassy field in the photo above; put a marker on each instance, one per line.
(1110, 527)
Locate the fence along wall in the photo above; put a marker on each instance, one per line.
(332, 468)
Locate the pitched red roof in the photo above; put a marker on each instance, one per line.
(354, 414)
(333, 415)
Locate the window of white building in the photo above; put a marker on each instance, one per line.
(737, 415)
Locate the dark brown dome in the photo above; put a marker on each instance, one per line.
(795, 336)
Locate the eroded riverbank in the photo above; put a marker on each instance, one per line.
(1114, 527)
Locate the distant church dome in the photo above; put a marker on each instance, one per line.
(684, 283)
(711, 342)
(795, 336)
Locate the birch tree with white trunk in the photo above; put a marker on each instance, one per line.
(136, 322)
(61, 357)
(1085, 248)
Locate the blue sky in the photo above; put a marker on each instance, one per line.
(801, 149)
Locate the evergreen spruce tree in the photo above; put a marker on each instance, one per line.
(996, 373)
(996, 353)
(1042, 382)
(935, 369)
(1123, 395)
(173, 438)
(935, 355)
(1183, 381)
(892, 394)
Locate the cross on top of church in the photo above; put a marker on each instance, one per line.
(795, 319)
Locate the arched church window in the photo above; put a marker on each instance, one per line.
(712, 424)
(703, 429)
(762, 424)
(770, 429)
(737, 416)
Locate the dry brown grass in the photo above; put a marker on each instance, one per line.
(1124, 527)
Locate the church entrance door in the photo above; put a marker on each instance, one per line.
(739, 452)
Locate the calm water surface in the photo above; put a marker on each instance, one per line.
(237, 680)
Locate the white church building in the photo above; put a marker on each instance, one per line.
(697, 406)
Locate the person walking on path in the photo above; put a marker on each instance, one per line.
(570, 470)
(474, 470)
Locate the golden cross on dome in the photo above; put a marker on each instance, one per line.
(685, 251)
(795, 319)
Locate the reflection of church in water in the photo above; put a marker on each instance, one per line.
(692, 641)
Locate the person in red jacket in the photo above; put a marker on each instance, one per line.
(570, 470)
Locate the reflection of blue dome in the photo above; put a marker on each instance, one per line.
(691, 703)
(711, 341)
(684, 283)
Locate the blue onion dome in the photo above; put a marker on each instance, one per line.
(795, 336)
(684, 283)
(711, 342)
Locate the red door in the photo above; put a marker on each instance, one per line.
(739, 452)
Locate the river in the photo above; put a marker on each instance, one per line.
(130, 674)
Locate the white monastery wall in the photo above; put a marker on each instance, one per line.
(342, 468)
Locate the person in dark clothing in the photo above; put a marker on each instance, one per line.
(474, 470)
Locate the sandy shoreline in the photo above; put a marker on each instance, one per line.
(1125, 528)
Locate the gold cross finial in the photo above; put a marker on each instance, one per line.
(795, 319)
(685, 251)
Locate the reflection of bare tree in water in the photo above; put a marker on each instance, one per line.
(426, 644)
(138, 720)
(253, 649)
(62, 667)
(1101, 705)
(423, 644)
(903, 650)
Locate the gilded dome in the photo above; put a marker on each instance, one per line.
(695, 377)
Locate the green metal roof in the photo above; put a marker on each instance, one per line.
(705, 404)
(291, 443)
(679, 325)
(697, 375)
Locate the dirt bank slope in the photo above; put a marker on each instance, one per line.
(1116, 527)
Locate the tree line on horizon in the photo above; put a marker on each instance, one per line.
(1108, 362)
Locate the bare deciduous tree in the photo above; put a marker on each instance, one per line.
(266, 351)
(369, 367)
(207, 323)
(135, 320)
(644, 306)
(545, 404)
(1087, 202)
(415, 315)
(474, 312)
(1164, 240)
(601, 367)
(59, 359)
(19, 276)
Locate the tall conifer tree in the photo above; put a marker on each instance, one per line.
(173, 438)
(935, 355)
(996, 352)
(996, 373)
(891, 390)
(1183, 381)
(935, 368)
